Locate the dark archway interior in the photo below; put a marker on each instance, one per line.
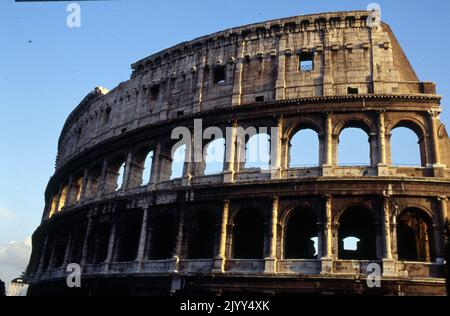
(77, 245)
(202, 237)
(60, 250)
(357, 222)
(413, 237)
(162, 238)
(98, 246)
(301, 227)
(128, 239)
(248, 241)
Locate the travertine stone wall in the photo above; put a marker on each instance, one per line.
(260, 62)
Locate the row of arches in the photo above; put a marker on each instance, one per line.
(358, 237)
(303, 145)
(354, 149)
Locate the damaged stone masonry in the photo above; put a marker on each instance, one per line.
(115, 206)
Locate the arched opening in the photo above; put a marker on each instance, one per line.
(63, 197)
(98, 245)
(405, 148)
(60, 250)
(304, 149)
(120, 175)
(162, 238)
(53, 206)
(77, 188)
(357, 235)
(77, 244)
(301, 235)
(414, 236)
(93, 181)
(115, 174)
(354, 147)
(214, 156)
(248, 235)
(257, 152)
(128, 234)
(147, 172)
(178, 159)
(201, 242)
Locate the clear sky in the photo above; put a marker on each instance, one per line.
(47, 68)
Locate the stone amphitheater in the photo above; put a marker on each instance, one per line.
(140, 229)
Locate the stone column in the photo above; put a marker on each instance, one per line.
(102, 182)
(230, 152)
(179, 242)
(327, 60)
(327, 168)
(444, 214)
(280, 85)
(51, 261)
(69, 199)
(87, 236)
(271, 260)
(433, 115)
(388, 262)
(68, 251)
(327, 260)
(275, 149)
(440, 230)
(154, 174)
(219, 261)
(111, 244)
(236, 98)
(383, 168)
(84, 184)
(198, 98)
(394, 233)
(42, 256)
(127, 171)
(381, 138)
(143, 237)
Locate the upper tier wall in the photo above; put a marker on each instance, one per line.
(260, 63)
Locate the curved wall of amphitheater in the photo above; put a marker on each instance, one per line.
(244, 230)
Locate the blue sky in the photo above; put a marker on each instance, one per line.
(46, 68)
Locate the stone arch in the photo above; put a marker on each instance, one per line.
(295, 151)
(77, 188)
(258, 151)
(411, 123)
(302, 123)
(94, 179)
(214, 156)
(414, 125)
(248, 234)
(415, 238)
(343, 148)
(140, 169)
(115, 173)
(358, 223)
(202, 235)
(178, 161)
(356, 121)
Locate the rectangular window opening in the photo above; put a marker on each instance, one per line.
(306, 63)
(351, 90)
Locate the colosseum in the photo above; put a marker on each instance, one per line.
(136, 225)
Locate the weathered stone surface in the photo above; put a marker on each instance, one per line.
(193, 228)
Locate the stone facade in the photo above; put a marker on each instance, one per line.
(324, 72)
